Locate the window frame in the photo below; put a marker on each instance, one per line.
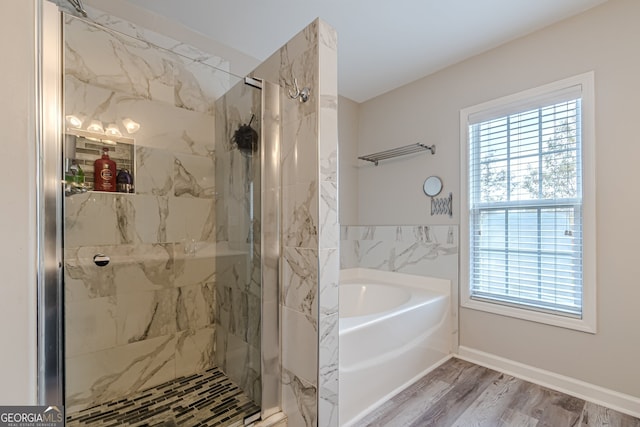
(505, 105)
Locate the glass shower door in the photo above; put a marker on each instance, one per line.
(163, 274)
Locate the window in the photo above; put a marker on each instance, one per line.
(529, 205)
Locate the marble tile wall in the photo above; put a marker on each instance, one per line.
(424, 250)
(167, 185)
(238, 228)
(310, 234)
(147, 64)
(150, 315)
(329, 230)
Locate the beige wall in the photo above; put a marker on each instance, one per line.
(605, 39)
(17, 228)
(348, 117)
(427, 112)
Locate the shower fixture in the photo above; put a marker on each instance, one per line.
(77, 5)
(297, 93)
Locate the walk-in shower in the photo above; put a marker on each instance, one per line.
(165, 295)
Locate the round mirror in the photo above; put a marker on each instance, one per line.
(432, 186)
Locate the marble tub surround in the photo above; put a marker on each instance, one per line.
(406, 249)
(424, 250)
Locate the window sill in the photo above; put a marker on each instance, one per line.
(583, 325)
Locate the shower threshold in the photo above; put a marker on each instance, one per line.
(205, 399)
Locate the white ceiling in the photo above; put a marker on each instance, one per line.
(382, 44)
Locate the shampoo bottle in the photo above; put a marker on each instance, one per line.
(104, 173)
(124, 181)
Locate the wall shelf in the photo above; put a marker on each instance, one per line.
(397, 152)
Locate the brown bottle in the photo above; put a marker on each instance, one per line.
(104, 173)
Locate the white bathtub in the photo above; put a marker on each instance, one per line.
(394, 328)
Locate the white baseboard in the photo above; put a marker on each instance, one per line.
(611, 399)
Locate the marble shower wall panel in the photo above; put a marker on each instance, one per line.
(147, 293)
(299, 400)
(91, 219)
(121, 369)
(139, 68)
(237, 208)
(299, 231)
(190, 220)
(328, 410)
(424, 250)
(299, 298)
(329, 230)
(194, 176)
(83, 319)
(98, 219)
(300, 181)
(300, 283)
(309, 225)
(236, 172)
(163, 126)
(133, 268)
(194, 351)
(132, 30)
(150, 315)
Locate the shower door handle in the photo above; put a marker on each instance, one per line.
(101, 260)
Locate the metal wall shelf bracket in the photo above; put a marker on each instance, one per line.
(442, 205)
(397, 152)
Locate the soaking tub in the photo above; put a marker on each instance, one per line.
(394, 328)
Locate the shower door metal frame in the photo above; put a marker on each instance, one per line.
(270, 219)
(50, 305)
(50, 318)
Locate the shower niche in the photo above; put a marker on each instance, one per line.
(83, 148)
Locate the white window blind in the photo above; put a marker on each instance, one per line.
(525, 204)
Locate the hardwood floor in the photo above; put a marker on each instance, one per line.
(461, 394)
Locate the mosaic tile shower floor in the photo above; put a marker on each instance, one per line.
(206, 399)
